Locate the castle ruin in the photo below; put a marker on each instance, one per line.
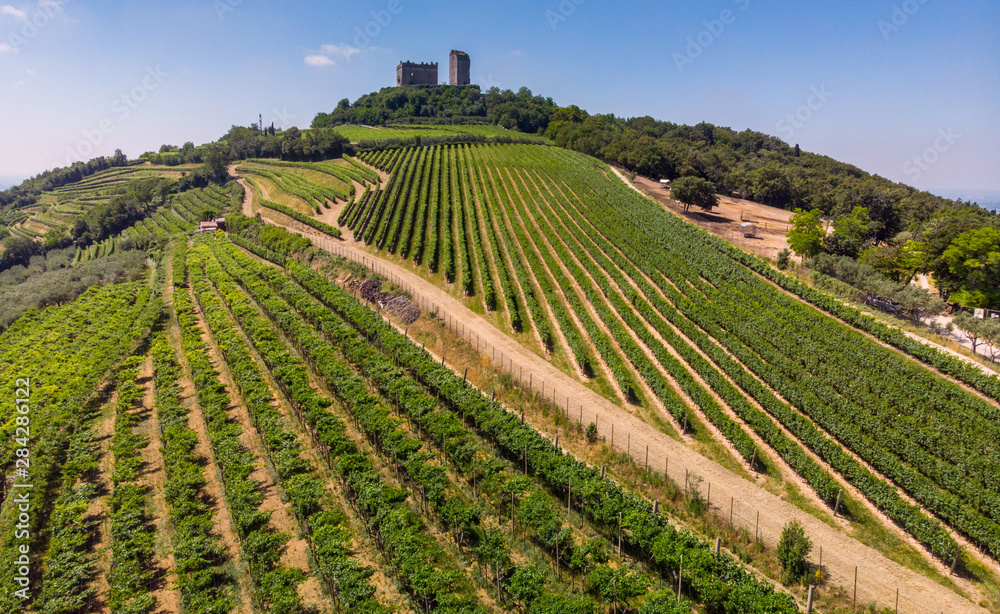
(458, 68)
(411, 73)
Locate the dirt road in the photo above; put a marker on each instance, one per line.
(844, 558)
(878, 576)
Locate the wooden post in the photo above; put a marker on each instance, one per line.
(836, 507)
(680, 578)
(493, 397)
(522, 415)
(753, 459)
(656, 506)
(603, 467)
(556, 444)
(512, 514)
(954, 563)
(854, 602)
(718, 545)
(809, 604)
(466, 376)
(897, 601)
(730, 513)
(619, 533)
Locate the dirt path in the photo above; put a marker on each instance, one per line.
(100, 508)
(295, 553)
(213, 476)
(878, 576)
(153, 477)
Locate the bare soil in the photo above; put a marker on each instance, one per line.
(841, 553)
(725, 220)
(153, 478)
(295, 554)
(100, 508)
(879, 576)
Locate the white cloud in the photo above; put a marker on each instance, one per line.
(318, 60)
(30, 71)
(19, 83)
(516, 52)
(344, 51)
(13, 12)
(4, 48)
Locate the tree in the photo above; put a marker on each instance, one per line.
(769, 184)
(991, 337)
(17, 250)
(694, 191)
(793, 548)
(973, 260)
(917, 303)
(807, 234)
(850, 233)
(975, 330)
(784, 259)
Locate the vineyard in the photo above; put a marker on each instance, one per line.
(180, 216)
(304, 191)
(400, 478)
(671, 319)
(59, 209)
(254, 426)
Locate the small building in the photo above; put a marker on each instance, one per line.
(220, 222)
(411, 73)
(749, 229)
(204, 227)
(665, 184)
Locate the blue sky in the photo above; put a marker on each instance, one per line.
(906, 89)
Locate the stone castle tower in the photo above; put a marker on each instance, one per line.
(411, 73)
(458, 68)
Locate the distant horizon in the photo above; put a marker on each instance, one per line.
(912, 96)
(985, 198)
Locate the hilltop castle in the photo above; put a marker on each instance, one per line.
(411, 73)
(458, 68)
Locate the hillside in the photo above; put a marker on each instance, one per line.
(672, 334)
(461, 369)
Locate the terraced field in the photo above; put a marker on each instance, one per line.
(661, 315)
(240, 433)
(368, 134)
